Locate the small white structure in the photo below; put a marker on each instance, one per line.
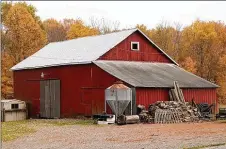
(13, 110)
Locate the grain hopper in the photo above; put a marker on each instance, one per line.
(118, 96)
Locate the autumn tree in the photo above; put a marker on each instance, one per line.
(166, 36)
(55, 30)
(5, 7)
(30, 8)
(79, 29)
(67, 23)
(22, 36)
(189, 65)
(221, 79)
(144, 29)
(6, 75)
(204, 42)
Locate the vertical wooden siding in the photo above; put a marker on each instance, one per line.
(147, 96)
(200, 95)
(76, 81)
(147, 51)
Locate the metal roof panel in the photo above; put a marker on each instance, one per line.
(75, 51)
(147, 74)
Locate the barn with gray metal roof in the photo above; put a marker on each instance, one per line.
(76, 72)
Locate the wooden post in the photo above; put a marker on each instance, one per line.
(3, 114)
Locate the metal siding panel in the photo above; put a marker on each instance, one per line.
(144, 74)
(72, 51)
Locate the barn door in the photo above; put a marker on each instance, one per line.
(93, 100)
(50, 98)
(97, 101)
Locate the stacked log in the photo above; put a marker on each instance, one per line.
(144, 115)
(173, 112)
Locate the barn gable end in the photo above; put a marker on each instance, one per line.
(148, 51)
(112, 46)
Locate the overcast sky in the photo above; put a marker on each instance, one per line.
(130, 13)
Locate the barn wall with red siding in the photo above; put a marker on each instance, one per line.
(146, 96)
(82, 87)
(147, 51)
(200, 95)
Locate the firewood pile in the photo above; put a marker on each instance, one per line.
(173, 112)
(144, 115)
(169, 112)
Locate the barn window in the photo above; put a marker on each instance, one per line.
(14, 106)
(135, 46)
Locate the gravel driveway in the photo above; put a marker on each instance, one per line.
(136, 136)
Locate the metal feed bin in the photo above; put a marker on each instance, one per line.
(13, 110)
(118, 97)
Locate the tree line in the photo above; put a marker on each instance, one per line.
(199, 48)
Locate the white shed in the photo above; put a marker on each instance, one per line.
(13, 110)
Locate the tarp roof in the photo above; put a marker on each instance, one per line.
(76, 51)
(147, 74)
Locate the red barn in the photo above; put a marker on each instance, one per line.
(74, 74)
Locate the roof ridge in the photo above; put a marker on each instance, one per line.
(64, 52)
(95, 35)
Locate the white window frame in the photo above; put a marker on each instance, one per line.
(138, 46)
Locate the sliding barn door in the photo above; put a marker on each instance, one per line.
(50, 98)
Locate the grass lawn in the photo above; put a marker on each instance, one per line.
(16, 129)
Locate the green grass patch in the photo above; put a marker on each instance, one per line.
(15, 129)
(204, 146)
(64, 122)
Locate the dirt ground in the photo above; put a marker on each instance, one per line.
(134, 136)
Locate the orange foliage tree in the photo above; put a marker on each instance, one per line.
(22, 37)
(79, 29)
(221, 79)
(189, 65)
(55, 30)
